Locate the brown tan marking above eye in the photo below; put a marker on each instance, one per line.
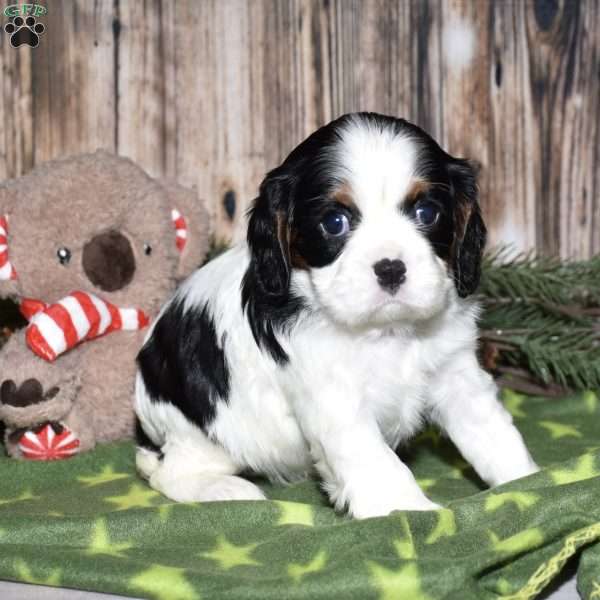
(417, 189)
(344, 196)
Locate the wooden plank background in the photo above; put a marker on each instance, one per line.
(215, 92)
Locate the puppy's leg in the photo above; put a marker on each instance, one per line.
(195, 470)
(360, 471)
(464, 403)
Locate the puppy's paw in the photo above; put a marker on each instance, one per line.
(204, 487)
(365, 508)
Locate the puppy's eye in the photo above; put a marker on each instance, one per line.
(64, 255)
(427, 213)
(147, 249)
(335, 223)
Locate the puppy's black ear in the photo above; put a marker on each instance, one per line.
(469, 229)
(268, 238)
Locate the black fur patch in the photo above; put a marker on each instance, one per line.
(142, 440)
(184, 364)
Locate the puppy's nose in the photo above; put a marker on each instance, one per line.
(390, 274)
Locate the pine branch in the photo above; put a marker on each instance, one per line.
(542, 317)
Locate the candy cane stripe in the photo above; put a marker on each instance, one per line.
(103, 311)
(80, 321)
(180, 229)
(78, 317)
(7, 271)
(51, 333)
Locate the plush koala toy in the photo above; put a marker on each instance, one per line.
(90, 248)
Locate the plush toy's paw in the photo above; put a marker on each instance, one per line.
(49, 441)
(28, 393)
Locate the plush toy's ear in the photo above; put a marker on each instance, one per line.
(470, 231)
(9, 283)
(191, 227)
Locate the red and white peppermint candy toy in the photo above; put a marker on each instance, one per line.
(181, 231)
(48, 445)
(7, 271)
(80, 316)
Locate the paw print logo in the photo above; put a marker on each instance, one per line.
(24, 31)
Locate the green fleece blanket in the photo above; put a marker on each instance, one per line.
(91, 523)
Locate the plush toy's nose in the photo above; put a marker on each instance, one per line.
(108, 261)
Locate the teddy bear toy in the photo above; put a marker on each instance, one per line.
(90, 249)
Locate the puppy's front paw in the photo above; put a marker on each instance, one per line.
(364, 508)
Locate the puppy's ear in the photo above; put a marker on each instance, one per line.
(469, 229)
(268, 238)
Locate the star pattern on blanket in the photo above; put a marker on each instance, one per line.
(522, 500)
(81, 523)
(138, 496)
(106, 475)
(520, 542)
(513, 403)
(295, 513)
(560, 430)
(405, 546)
(228, 555)
(163, 583)
(445, 526)
(24, 573)
(100, 542)
(297, 570)
(590, 401)
(584, 469)
(392, 584)
(24, 496)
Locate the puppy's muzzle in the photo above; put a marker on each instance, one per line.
(391, 274)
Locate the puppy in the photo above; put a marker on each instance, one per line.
(332, 334)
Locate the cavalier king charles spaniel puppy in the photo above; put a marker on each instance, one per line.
(332, 334)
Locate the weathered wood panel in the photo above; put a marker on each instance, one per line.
(214, 93)
(73, 80)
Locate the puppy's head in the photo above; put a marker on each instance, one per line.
(375, 217)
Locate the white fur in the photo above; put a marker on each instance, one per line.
(365, 368)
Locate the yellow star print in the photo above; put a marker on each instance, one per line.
(100, 543)
(524, 540)
(583, 470)
(559, 430)
(26, 495)
(229, 555)
(295, 513)
(523, 500)
(512, 402)
(164, 583)
(106, 475)
(590, 399)
(403, 583)
(137, 497)
(405, 547)
(24, 574)
(425, 484)
(297, 571)
(446, 526)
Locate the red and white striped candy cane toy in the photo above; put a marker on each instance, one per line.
(181, 231)
(79, 316)
(7, 271)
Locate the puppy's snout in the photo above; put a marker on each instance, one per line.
(390, 274)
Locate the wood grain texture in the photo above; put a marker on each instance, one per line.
(214, 93)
